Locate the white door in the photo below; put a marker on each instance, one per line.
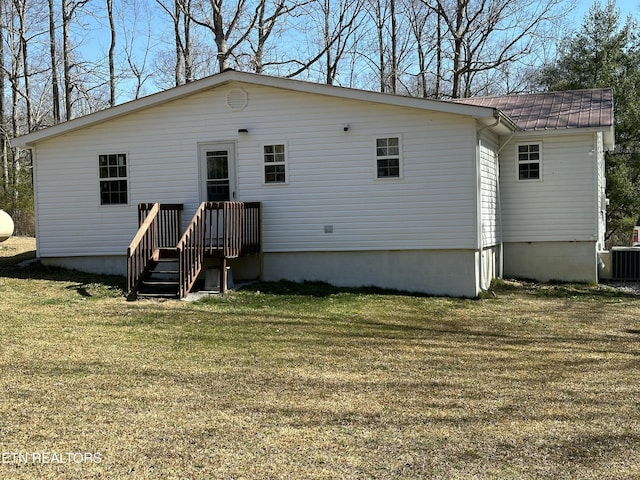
(217, 171)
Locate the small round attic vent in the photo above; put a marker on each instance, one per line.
(237, 99)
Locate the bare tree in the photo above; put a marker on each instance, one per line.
(265, 25)
(3, 114)
(270, 13)
(20, 10)
(180, 14)
(383, 14)
(486, 34)
(337, 24)
(68, 11)
(55, 87)
(419, 17)
(230, 26)
(136, 53)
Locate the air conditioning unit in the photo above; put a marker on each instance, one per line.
(625, 264)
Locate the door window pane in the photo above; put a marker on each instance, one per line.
(218, 176)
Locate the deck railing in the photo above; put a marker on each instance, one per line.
(252, 231)
(142, 249)
(191, 250)
(232, 228)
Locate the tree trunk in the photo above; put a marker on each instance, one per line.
(179, 71)
(381, 59)
(112, 48)
(66, 54)
(3, 117)
(437, 92)
(55, 89)
(457, 48)
(189, 75)
(327, 40)
(219, 35)
(393, 80)
(21, 10)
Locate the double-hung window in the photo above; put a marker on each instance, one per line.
(275, 163)
(113, 179)
(388, 159)
(529, 161)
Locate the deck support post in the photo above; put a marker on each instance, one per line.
(223, 275)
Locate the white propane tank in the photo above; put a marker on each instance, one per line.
(6, 226)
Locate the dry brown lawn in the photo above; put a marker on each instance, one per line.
(307, 382)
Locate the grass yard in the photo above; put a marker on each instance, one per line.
(309, 382)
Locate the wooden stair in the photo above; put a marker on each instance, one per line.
(163, 278)
(162, 262)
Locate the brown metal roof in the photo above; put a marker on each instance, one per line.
(553, 110)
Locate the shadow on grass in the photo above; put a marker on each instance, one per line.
(9, 263)
(321, 289)
(24, 266)
(556, 290)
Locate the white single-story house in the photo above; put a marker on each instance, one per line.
(355, 188)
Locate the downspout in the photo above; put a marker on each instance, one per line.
(499, 206)
(479, 246)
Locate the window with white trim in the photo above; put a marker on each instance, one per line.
(388, 157)
(529, 161)
(113, 179)
(275, 163)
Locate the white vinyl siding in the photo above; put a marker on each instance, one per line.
(331, 182)
(560, 208)
(489, 192)
(329, 173)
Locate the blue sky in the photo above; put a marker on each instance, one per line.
(626, 7)
(94, 44)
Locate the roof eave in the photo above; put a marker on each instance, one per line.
(500, 123)
(607, 132)
(176, 93)
(132, 106)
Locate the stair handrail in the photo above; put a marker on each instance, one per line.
(170, 222)
(142, 250)
(191, 250)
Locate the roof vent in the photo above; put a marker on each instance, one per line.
(237, 99)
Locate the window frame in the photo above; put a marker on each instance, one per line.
(114, 179)
(284, 163)
(519, 162)
(377, 158)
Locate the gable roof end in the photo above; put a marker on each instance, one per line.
(482, 112)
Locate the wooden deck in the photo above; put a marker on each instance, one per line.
(221, 230)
